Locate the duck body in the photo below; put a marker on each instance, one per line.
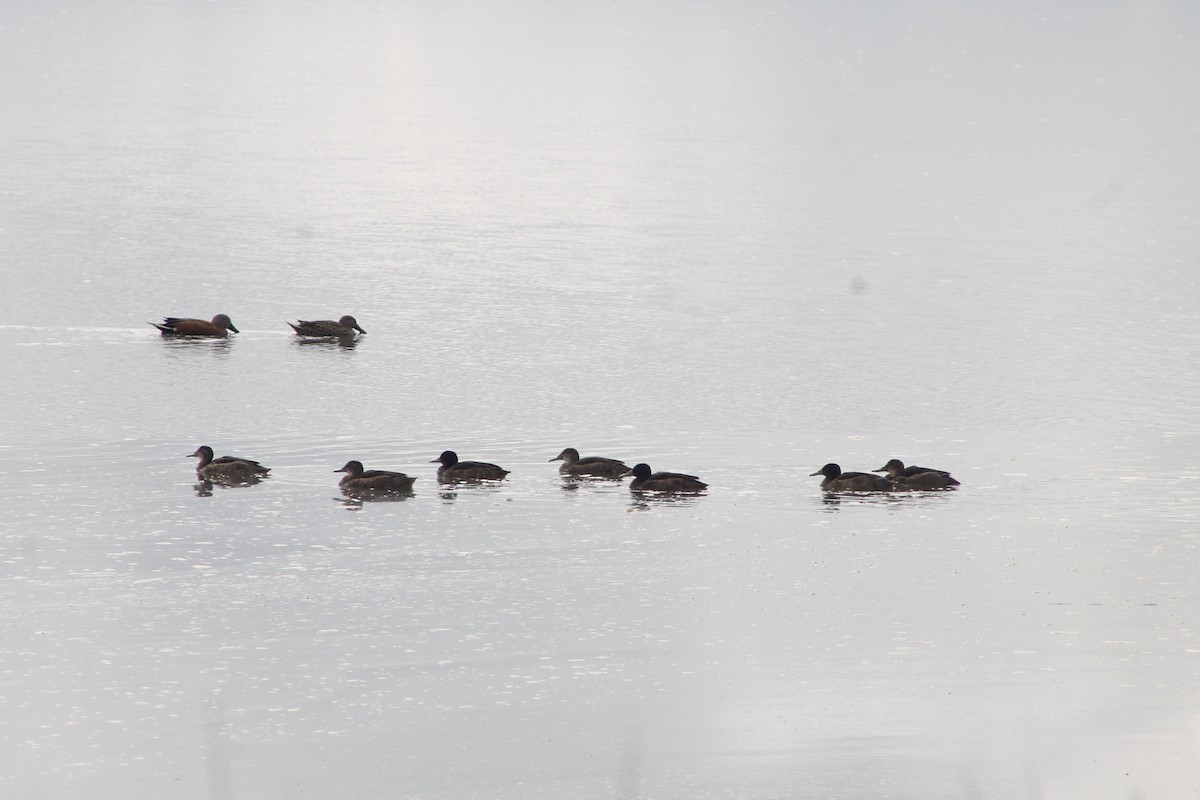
(918, 477)
(452, 469)
(590, 466)
(646, 480)
(218, 328)
(227, 469)
(342, 328)
(838, 481)
(357, 479)
(933, 479)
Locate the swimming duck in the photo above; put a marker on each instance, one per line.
(374, 480)
(229, 469)
(344, 327)
(184, 326)
(593, 466)
(918, 477)
(646, 480)
(452, 469)
(838, 481)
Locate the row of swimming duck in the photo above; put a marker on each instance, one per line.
(221, 326)
(356, 479)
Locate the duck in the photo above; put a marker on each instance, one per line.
(452, 469)
(591, 466)
(918, 477)
(344, 327)
(838, 481)
(219, 328)
(645, 479)
(375, 480)
(228, 469)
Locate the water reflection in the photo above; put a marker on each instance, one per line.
(833, 501)
(572, 483)
(449, 490)
(357, 500)
(179, 344)
(327, 343)
(204, 488)
(360, 496)
(644, 500)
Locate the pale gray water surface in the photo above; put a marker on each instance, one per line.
(733, 239)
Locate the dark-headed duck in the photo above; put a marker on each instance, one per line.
(452, 469)
(838, 481)
(645, 479)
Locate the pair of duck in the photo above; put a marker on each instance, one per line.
(234, 469)
(644, 478)
(899, 478)
(359, 479)
(221, 326)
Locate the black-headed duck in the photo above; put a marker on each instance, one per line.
(592, 466)
(227, 468)
(452, 469)
(646, 480)
(357, 479)
(343, 328)
(838, 481)
(184, 326)
(917, 477)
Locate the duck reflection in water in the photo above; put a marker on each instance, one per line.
(330, 342)
(356, 501)
(649, 500)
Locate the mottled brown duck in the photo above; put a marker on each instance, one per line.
(227, 469)
(590, 466)
(357, 479)
(918, 477)
(342, 328)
